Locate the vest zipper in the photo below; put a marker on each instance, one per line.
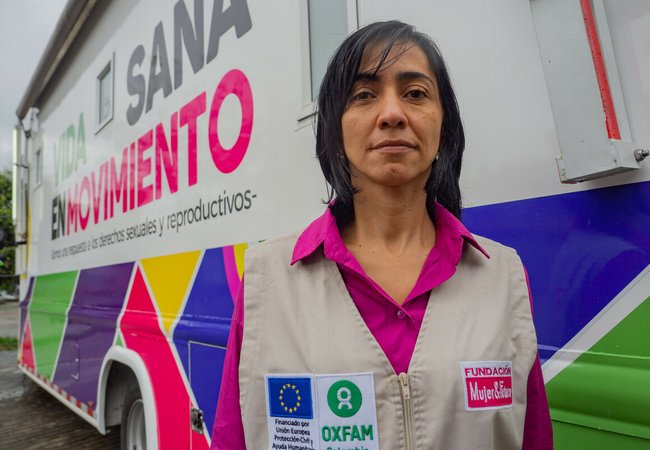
(407, 409)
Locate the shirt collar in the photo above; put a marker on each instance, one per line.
(450, 234)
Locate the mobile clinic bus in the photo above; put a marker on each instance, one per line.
(159, 138)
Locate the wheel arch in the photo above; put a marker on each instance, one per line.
(132, 361)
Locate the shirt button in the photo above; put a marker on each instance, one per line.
(400, 314)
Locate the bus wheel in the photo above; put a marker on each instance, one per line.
(133, 431)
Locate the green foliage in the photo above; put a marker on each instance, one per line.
(8, 343)
(7, 244)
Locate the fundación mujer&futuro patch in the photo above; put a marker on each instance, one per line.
(487, 384)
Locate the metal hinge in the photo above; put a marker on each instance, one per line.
(196, 419)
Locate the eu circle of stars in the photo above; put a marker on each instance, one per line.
(290, 397)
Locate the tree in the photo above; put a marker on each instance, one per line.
(7, 241)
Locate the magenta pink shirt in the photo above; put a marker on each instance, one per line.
(394, 326)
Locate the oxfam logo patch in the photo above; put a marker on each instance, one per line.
(344, 398)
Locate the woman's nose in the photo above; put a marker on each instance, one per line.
(391, 112)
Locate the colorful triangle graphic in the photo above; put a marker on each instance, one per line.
(169, 278)
(27, 350)
(47, 315)
(118, 340)
(233, 261)
(170, 394)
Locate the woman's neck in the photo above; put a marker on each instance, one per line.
(394, 219)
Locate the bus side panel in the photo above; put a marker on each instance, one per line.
(25, 350)
(90, 329)
(180, 305)
(47, 319)
(587, 255)
(606, 389)
(201, 334)
(166, 309)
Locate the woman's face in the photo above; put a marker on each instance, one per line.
(391, 125)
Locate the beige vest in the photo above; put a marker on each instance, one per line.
(301, 319)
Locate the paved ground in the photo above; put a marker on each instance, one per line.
(9, 314)
(30, 418)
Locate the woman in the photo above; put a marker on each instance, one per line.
(385, 324)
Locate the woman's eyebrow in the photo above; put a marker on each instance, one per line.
(370, 77)
(366, 77)
(410, 76)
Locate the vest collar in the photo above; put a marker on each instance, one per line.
(451, 234)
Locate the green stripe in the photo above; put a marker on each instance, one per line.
(575, 437)
(118, 340)
(607, 388)
(47, 311)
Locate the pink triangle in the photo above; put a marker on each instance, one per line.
(27, 348)
(142, 334)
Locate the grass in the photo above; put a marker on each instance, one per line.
(8, 343)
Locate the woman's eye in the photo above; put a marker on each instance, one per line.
(363, 95)
(416, 94)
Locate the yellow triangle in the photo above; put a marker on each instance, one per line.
(239, 251)
(169, 277)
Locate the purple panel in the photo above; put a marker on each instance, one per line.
(90, 329)
(206, 320)
(205, 378)
(24, 306)
(580, 249)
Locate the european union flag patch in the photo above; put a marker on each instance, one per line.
(290, 397)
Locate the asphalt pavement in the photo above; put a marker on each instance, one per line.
(30, 418)
(9, 315)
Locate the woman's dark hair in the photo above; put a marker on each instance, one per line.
(336, 87)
